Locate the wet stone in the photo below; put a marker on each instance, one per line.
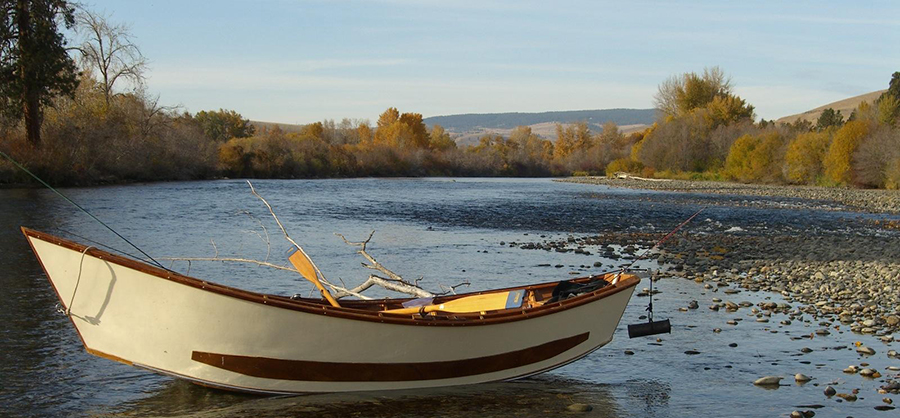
(580, 407)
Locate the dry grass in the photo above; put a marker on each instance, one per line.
(845, 106)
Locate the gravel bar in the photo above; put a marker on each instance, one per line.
(863, 200)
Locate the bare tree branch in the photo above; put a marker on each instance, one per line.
(393, 281)
(110, 50)
(452, 289)
(374, 264)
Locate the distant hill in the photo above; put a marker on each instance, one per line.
(471, 121)
(467, 129)
(846, 107)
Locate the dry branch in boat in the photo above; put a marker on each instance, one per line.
(393, 281)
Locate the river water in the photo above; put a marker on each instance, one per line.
(446, 231)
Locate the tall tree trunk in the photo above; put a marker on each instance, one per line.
(30, 92)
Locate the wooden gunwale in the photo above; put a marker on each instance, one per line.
(626, 282)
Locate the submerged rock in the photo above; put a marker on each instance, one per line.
(580, 407)
(865, 350)
(768, 381)
(802, 378)
(849, 397)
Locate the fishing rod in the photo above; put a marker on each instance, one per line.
(652, 327)
(658, 243)
(21, 167)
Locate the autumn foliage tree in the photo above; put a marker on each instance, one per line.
(755, 158)
(222, 125)
(838, 161)
(803, 160)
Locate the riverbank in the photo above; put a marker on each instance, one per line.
(863, 200)
(839, 281)
(850, 277)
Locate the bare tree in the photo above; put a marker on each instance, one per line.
(110, 50)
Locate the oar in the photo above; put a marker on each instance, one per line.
(475, 303)
(302, 263)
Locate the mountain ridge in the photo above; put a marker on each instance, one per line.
(460, 123)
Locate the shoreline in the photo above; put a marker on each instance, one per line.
(832, 283)
(859, 200)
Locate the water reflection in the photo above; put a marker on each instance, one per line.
(532, 397)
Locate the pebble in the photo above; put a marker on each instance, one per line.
(829, 391)
(806, 350)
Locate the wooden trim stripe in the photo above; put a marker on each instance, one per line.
(352, 309)
(316, 371)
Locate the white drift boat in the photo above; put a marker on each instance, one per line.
(134, 313)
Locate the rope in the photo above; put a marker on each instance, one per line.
(77, 282)
(21, 167)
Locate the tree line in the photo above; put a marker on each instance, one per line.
(707, 132)
(77, 111)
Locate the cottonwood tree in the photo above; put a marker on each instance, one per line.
(680, 94)
(222, 125)
(34, 65)
(109, 49)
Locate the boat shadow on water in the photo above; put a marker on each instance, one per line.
(536, 396)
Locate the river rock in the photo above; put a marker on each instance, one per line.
(802, 378)
(580, 407)
(849, 397)
(768, 381)
(868, 372)
(829, 391)
(865, 350)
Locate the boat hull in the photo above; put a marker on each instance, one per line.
(152, 318)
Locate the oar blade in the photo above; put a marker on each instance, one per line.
(302, 264)
(474, 303)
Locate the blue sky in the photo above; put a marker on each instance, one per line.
(294, 61)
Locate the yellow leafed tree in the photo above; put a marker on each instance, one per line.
(803, 160)
(838, 160)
